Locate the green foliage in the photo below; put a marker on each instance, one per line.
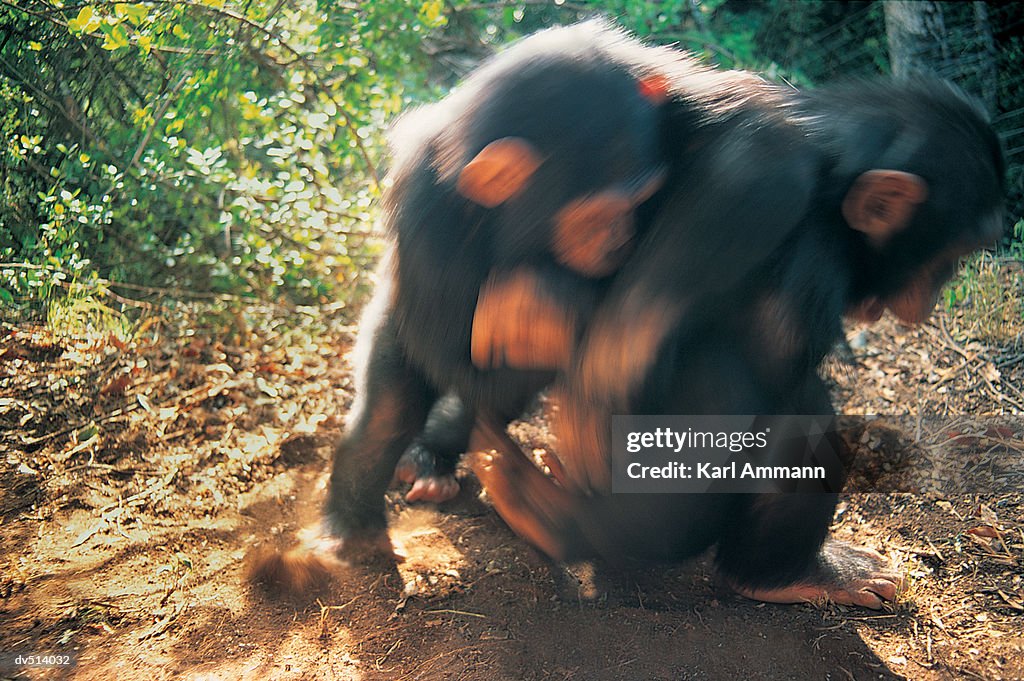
(1015, 247)
(222, 146)
(201, 145)
(988, 296)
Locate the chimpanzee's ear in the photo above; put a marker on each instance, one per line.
(498, 172)
(654, 88)
(883, 202)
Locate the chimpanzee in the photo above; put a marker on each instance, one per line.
(533, 164)
(913, 181)
(522, 186)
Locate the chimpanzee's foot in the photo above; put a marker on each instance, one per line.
(309, 569)
(370, 548)
(350, 537)
(845, 574)
(303, 571)
(418, 467)
(290, 574)
(436, 489)
(531, 503)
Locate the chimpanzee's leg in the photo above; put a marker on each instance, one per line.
(391, 407)
(774, 546)
(570, 526)
(776, 550)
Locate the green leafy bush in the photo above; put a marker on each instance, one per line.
(198, 146)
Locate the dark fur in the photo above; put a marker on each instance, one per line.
(562, 89)
(745, 244)
(755, 347)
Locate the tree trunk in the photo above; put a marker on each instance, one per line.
(917, 37)
(988, 68)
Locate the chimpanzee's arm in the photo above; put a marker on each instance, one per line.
(727, 210)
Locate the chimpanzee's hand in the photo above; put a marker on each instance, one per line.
(518, 325)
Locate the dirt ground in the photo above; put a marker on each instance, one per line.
(136, 477)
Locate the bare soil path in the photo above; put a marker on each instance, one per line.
(135, 479)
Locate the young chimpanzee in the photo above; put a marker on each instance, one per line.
(511, 184)
(521, 186)
(914, 181)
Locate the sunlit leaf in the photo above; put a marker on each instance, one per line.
(83, 20)
(135, 13)
(116, 37)
(432, 13)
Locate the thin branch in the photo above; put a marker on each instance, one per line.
(157, 117)
(502, 4)
(54, 104)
